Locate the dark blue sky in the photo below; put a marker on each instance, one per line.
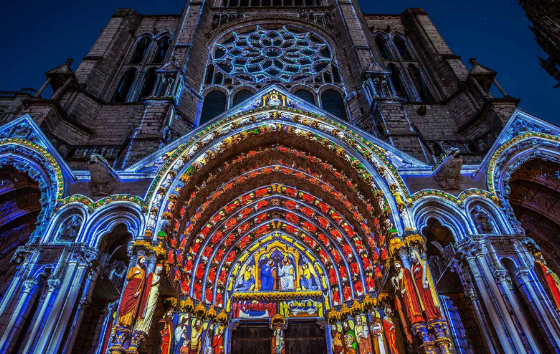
(40, 35)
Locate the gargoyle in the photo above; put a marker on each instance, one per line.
(104, 179)
(447, 173)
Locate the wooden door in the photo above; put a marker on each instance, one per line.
(254, 338)
(305, 337)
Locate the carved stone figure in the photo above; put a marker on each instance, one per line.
(483, 220)
(104, 179)
(406, 296)
(448, 174)
(134, 297)
(70, 228)
(145, 319)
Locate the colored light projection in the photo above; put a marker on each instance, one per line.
(277, 268)
(272, 55)
(193, 333)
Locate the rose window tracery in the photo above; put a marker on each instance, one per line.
(272, 55)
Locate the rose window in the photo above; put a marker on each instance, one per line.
(272, 55)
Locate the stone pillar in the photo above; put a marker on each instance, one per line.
(479, 260)
(85, 301)
(504, 282)
(421, 332)
(53, 285)
(6, 341)
(470, 292)
(56, 309)
(27, 264)
(68, 308)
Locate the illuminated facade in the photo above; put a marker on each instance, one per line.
(281, 177)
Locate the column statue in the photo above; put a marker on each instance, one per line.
(218, 341)
(406, 294)
(549, 279)
(145, 318)
(133, 294)
(425, 287)
(363, 336)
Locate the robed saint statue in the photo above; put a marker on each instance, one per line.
(135, 294)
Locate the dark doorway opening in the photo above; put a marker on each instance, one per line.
(301, 337)
(251, 337)
(305, 337)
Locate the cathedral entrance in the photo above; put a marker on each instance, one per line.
(305, 337)
(300, 337)
(251, 337)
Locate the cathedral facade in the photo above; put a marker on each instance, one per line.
(276, 176)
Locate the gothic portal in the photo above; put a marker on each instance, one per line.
(276, 176)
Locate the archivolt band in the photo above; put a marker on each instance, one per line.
(279, 230)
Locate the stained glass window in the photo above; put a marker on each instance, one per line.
(272, 55)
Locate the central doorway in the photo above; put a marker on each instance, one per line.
(301, 337)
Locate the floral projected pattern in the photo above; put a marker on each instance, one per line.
(272, 55)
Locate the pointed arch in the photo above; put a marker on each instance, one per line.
(214, 104)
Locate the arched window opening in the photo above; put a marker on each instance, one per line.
(400, 43)
(398, 84)
(148, 84)
(209, 74)
(336, 74)
(241, 96)
(162, 47)
(214, 105)
(97, 321)
(327, 77)
(124, 86)
(218, 78)
(420, 84)
(244, 3)
(305, 95)
(333, 103)
(141, 49)
(382, 46)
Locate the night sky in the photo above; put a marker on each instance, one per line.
(40, 35)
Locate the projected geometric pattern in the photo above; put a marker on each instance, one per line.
(272, 55)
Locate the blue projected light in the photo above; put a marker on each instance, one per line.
(272, 55)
